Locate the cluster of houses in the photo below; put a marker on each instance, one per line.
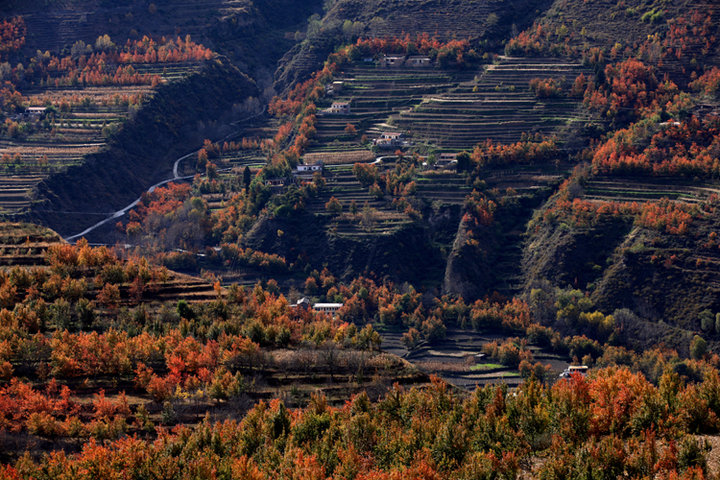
(412, 61)
(399, 60)
(31, 114)
(387, 141)
(328, 308)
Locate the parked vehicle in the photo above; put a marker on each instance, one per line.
(581, 369)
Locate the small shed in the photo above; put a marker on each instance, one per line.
(275, 182)
(335, 87)
(392, 61)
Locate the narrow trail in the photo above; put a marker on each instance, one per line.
(176, 177)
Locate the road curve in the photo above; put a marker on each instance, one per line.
(176, 177)
(123, 211)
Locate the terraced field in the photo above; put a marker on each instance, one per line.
(230, 169)
(529, 186)
(376, 93)
(620, 189)
(444, 186)
(447, 20)
(496, 105)
(24, 244)
(455, 359)
(453, 110)
(374, 215)
(606, 23)
(297, 374)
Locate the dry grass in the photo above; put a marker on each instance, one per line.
(104, 95)
(340, 158)
(440, 366)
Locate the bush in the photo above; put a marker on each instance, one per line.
(334, 206)
(411, 338)
(707, 320)
(692, 453)
(698, 347)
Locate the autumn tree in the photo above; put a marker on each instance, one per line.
(350, 130)
(334, 206)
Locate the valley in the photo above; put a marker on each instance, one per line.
(359, 240)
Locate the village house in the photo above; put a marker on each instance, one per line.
(390, 140)
(35, 112)
(392, 61)
(306, 172)
(315, 167)
(303, 303)
(329, 308)
(418, 61)
(339, 108)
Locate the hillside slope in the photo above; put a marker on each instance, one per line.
(253, 34)
(172, 123)
(586, 83)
